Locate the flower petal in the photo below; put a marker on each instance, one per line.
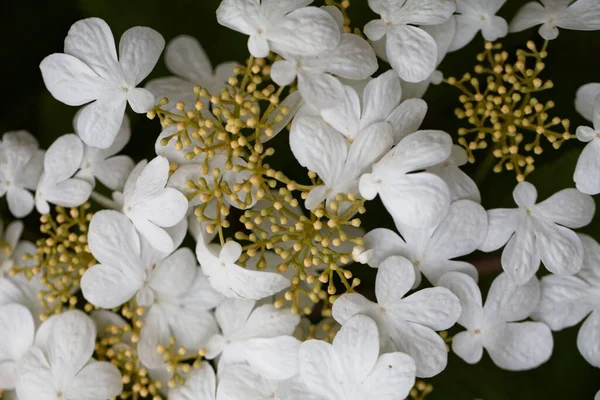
(502, 223)
(520, 258)
(392, 377)
(588, 339)
(467, 347)
(412, 52)
(112, 239)
(560, 248)
(381, 96)
(510, 302)
(531, 14)
(525, 194)
(569, 207)
(185, 57)
(395, 277)
(350, 304)
(96, 380)
(139, 50)
(20, 201)
(201, 384)
(99, 122)
(407, 118)
(356, 345)
(436, 308)
(585, 100)
(114, 171)
(319, 368)
(63, 158)
(384, 243)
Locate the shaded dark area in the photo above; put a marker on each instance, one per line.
(31, 31)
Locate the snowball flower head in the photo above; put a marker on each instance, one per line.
(406, 324)
(475, 16)
(587, 171)
(580, 15)
(352, 369)
(60, 364)
(514, 346)
(539, 232)
(89, 71)
(288, 27)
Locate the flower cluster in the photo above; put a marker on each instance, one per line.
(269, 305)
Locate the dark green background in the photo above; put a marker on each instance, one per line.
(32, 30)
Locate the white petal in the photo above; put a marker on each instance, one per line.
(381, 96)
(588, 339)
(531, 14)
(350, 304)
(114, 171)
(548, 31)
(70, 193)
(156, 236)
(412, 53)
(407, 118)
(185, 57)
(392, 377)
(238, 15)
(370, 145)
(20, 201)
(466, 289)
(316, 196)
(283, 72)
(495, 28)
(150, 180)
(17, 327)
(585, 133)
(569, 207)
(139, 50)
(36, 381)
(241, 283)
(525, 194)
(321, 91)
(319, 368)
(375, 29)
(502, 223)
(258, 46)
(344, 115)
(200, 384)
(112, 239)
(273, 358)
(436, 308)
(70, 80)
(559, 248)
(384, 243)
(357, 346)
(191, 328)
(425, 12)
(585, 100)
(435, 269)
(267, 321)
(109, 286)
(422, 149)
(98, 380)
(236, 381)
(232, 314)
(99, 122)
(520, 258)
(466, 29)
(461, 186)
(63, 158)
(510, 302)
(174, 274)
(395, 277)
(293, 102)
(164, 209)
(520, 346)
(467, 347)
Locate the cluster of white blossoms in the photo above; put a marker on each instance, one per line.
(113, 304)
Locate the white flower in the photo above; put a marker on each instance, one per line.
(89, 71)
(411, 51)
(343, 141)
(460, 184)
(581, 15)
(567, 300)
(239, 381)
(60, 364)
(258, 336)
(475, 16)
(150, 205)
(587, 171)
(405, 324)
(233, 281)
(56, 185)
(432, 251)
(18, 329)
(353, 58)
(514, 346)
(201, 384)
(21, 165)
(351, 368)
(104, 165)
(538, 232)
(417, 199)
(186, 59)
(585, 100)
(12, 249)
(281, 26)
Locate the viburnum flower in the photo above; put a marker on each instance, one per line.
(186, 59)
(410, 50)
(233, 281)
(431, 251)
(239, 381)
(580, 15)
(21, 165)
(60, 364)
(18, 330)
(57, 184)
(461, 186)
(585, 100)
(539, 232)
(475, 16)
(352, 369)
(258, 336)
(200, 384)
(105, 165)
(343, 141)
(90, 71)
(150, 205)
(512, 345)
(418, 199)
(567, 300)
(405, 324)
(286, 27)
(587, 171)
(353, 58)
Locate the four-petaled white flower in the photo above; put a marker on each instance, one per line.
(412, 52)
(288, 27)
(432, 251)
(580, 15)
(475, 16)
(21, 165)
(186, 59)
(461, 186)
(567, 300)
(105, 165)
(90, 71)
(512, 345)
(233, 281)
(18, 329)
(352, 369)
(57, 184)
(419, 199)
(405, 324)
(152, 206)
(258, 336)
(539, 232)
(587, 171)
(60, 366)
